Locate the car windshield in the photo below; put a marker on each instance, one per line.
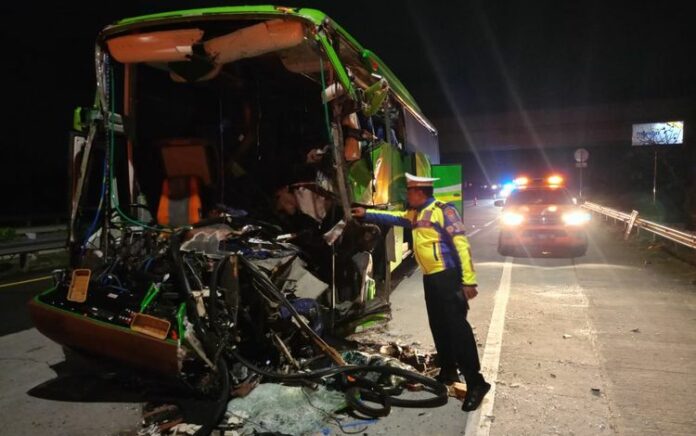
(539, 196)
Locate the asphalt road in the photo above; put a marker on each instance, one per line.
(18, 286)
(602, 344)
(14, 294)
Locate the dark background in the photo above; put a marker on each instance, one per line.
(456, 58)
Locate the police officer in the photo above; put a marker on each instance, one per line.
(443, 254)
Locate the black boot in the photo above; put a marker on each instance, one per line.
(474, 396)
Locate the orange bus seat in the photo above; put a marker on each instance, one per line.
(180, 202)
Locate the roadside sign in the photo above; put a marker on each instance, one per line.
(581, 155)
(664, 133)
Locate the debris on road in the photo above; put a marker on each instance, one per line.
(185, 430)
(459, 390)
(273, 407)
(164, 417)
(383, 342)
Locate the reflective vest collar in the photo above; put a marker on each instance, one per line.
(427, 203)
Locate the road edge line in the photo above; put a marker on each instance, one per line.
(491, 355)
(38, 279)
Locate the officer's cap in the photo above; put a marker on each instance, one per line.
(419, 182)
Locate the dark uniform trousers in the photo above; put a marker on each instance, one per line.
(452, 334)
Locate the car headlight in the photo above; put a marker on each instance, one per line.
(576, 218)
(512, 219)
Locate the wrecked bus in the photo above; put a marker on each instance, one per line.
(212, 181)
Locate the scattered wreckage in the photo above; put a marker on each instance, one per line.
(248, 261)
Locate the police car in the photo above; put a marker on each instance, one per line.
(541, 215)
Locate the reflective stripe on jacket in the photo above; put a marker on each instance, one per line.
(439, 239)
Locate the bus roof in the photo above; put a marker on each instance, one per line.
(313, 16)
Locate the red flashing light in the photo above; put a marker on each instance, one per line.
(555, 180)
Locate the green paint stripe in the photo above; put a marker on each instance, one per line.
(151, 293)
(312, 15)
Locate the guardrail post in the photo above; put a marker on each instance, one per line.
(631, 223)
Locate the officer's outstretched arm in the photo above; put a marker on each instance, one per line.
(389, 217)
(455, 228)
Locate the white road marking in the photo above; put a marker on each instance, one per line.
(490, 222)
(38, 279)
(475, 425)
(473, 233)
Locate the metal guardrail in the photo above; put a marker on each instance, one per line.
(607, 211)
(632, 220)
(35, 239)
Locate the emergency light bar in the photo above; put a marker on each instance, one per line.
(552, 181)
(521, 181)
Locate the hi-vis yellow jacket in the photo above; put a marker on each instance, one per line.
(438, 237)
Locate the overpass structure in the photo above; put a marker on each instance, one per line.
(493, 148)
(606, 125)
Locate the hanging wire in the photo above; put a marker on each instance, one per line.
(112, 141)
(93, 227)
(325, 101)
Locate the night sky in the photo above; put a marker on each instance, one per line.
(456, 58)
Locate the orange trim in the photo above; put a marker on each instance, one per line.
(258, 39)
(129, 143)
(82, 332)
(163, 209)
(194, 200)
(163, 46)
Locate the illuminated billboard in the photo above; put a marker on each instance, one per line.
(665, 133)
